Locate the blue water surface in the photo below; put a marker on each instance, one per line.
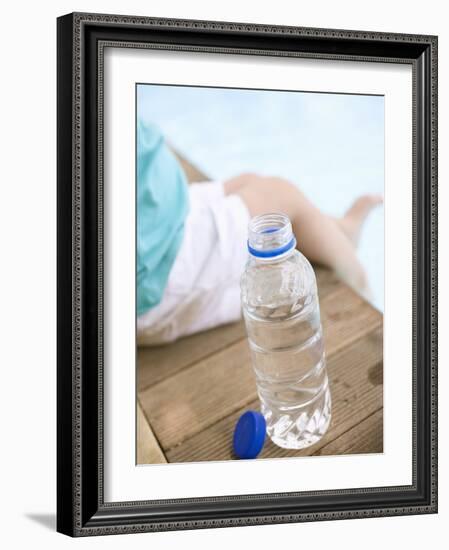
(329, 145)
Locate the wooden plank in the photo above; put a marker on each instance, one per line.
(160, 362)
(193, 174)
(148, 450)
(355, 397)
(366, 437)
(206, 392)
(200, 395)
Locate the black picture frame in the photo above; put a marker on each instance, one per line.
(81, 509)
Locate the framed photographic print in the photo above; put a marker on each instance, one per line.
(247, 274)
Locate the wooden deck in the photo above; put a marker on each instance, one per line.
(191, 393)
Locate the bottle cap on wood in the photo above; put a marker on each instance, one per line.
(249, 434)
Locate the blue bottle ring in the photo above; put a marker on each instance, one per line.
(272, 253)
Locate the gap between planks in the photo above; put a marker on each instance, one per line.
(148, 449)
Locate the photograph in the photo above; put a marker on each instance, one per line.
(247, 274)
(259, 273)
(224, 220)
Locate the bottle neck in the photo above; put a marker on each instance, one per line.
(271, 238)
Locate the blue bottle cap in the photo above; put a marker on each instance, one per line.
(249, 434)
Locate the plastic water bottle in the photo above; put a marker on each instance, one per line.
(282, 317)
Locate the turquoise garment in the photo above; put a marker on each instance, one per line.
(162, 206)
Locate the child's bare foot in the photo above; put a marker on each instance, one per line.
(352, 221)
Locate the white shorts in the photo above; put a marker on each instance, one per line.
(203, 289)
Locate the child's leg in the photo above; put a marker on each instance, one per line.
(352, 221)
(321, 238)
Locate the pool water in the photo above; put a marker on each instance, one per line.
(329, 145)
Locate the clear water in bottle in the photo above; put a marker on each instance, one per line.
(282, 317)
